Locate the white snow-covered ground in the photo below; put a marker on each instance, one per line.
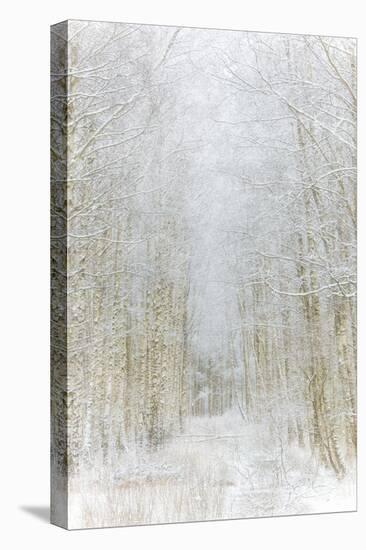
(219, 469)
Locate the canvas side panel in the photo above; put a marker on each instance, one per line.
(59, 436)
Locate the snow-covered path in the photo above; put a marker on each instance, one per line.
(220, 468)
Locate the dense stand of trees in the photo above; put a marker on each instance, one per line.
(210, 212)
(293, 256)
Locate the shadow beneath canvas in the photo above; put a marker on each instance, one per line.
(40, 512)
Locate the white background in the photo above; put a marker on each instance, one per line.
(24, 255)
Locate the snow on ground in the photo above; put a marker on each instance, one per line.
(219, 469)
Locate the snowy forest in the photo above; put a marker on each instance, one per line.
(203, 256)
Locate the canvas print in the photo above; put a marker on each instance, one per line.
(203, 250)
